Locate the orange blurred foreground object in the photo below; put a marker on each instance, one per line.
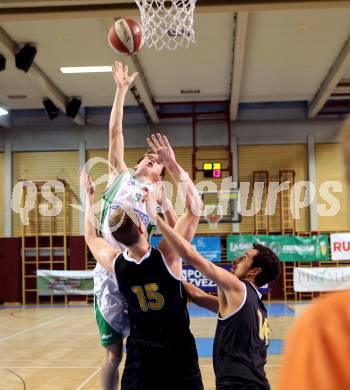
(317, 352)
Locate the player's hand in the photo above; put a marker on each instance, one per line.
(162, 200)
(121, 75)
(161, 196)
(89, 187)
(152, 205)
(161, 146)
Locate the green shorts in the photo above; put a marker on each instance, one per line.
(108, 335)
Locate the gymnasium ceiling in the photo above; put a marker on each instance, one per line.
(246, 52)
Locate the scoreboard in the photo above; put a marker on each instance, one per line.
(212, 169)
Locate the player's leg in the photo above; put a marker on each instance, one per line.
(112, 341)
(148, 366)
(110, 372)
(132, 378)
(191, 378)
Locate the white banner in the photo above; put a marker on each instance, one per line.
(50, 282)
(340, 246)
(321, 279)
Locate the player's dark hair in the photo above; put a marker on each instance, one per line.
(269, 263)
(123, 228)
(149, 151)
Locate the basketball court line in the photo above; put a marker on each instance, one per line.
(90, 367)
(88, 379)
(50, 367)
(30, 329)
(17, 376)
(46, 307)
(71, 333)
(211, 366)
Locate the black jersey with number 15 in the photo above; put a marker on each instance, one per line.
(156, 299)
(161, 350)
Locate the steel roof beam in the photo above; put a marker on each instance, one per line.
(239, 46)
(9, 48)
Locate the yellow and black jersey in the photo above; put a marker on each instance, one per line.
(156, 299)
(240, 345)
(161, 350)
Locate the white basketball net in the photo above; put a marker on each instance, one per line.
(213, 217)
(167, 24)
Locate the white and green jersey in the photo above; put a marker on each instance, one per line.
(126, 190)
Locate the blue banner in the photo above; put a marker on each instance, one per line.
(155, 240)
(208, 247)
(196, 278)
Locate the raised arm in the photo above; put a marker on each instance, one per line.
(201, 298)
(170, 215)
(186, 225)
(116, 137)
(224, 279)
(167, 208)
(161, 146)
(103, 253)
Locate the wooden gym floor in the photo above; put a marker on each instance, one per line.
(57, 348)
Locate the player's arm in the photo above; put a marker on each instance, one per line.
(186, 225)
(103, 253)
(201, 298)
(161, 146)
(116, 137)
(170, 215)
(224, 279)
(167, 208)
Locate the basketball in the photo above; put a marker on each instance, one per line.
(125, 36)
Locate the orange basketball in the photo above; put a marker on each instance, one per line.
(125, 36)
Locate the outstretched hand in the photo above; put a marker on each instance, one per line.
(161, 146)
(121, 75)
(88, 185)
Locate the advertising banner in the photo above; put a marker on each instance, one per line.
(209, 247)
(340, 246)
(287, 247)
(65, 282)
(196, 278)
(321, 279)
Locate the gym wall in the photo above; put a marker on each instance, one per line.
(43, 166)
(273, 158)
(329, 167)
(2, 199)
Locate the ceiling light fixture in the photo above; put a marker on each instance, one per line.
(3, 112)
(85, 69)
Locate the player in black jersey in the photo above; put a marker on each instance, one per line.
(161, 351)
(242, 333)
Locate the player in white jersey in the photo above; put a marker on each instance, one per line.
(185, 225)
(129, 189)
(124, 188)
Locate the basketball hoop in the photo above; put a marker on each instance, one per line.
(213, 221)
(214, 217)
(167, 24)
